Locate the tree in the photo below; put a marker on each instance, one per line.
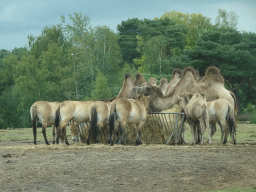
(101, 90)
(128, 30)
(225, 19)
(228, 50)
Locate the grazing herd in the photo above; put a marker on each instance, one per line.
(205, 102)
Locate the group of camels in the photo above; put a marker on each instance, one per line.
(200, 98)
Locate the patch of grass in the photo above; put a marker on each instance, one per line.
(237, 190)
(26, 134)
(246, 133)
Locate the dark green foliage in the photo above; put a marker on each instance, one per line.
(128, 31)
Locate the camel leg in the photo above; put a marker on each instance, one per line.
(53, 134)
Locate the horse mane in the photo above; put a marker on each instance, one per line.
(139, 79)
(108, 100)
(212, 75)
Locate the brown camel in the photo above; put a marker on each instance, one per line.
(212, 85)
(138, 80)
(153, 81)
(163, 85)
(44, 112)
(176, 76)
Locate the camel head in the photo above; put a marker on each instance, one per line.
(146, 89)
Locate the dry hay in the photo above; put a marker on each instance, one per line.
(157, 129)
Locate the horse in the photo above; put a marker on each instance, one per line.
(221, 111)
(99, 115)
(71, 110)
(44, 112)
(128, 111)
(74, 130)
(196, 112)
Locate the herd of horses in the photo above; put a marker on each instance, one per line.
(205, 101)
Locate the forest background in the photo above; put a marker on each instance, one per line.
(79, 62)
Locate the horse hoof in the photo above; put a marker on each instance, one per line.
(138, 143)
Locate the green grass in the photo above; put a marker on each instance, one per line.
(246, 133)
(26, 134)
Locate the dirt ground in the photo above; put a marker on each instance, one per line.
(98, 167)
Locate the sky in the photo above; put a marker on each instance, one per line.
(20, 18)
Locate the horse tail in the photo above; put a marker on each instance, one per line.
(94, 127)
(34, 121)
(57, 118)
(231, 122)
(235, 102)
(112, 122)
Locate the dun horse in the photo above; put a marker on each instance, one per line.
(44, 112)
(99, 115)
(123, 111)
(71, 110)
(196, 111)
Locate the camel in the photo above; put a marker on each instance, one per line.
(44, 112)
(196, 111)
(126, 111)
(138, 80)
(176, 76)
(212, 85)
(163, 85)
(153, 81)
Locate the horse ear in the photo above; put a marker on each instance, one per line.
(202, 94)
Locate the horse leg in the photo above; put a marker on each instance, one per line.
(44, 125)
(65, 135)
(213, 129)
(223, 128)
(122, 132)
(53, 134)
(203, 127)
(34, 130)
(138, 138)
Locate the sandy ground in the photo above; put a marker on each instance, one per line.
(98, 167)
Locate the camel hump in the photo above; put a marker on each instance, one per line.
(189, 69)
(163, 80)
(176, 71)
(127, 76)
(213, 75)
